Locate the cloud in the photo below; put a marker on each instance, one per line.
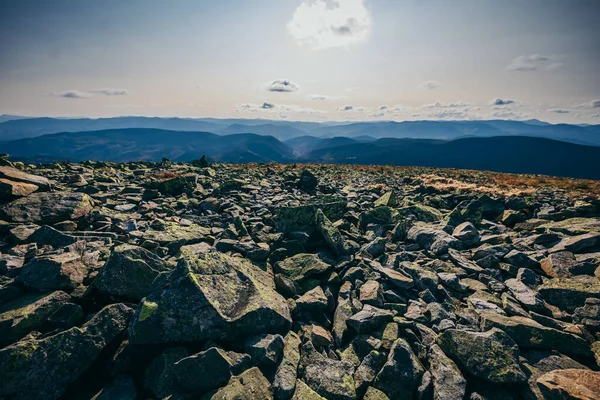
(71, 94)
(439, 104)
(502, 102)
(351, 89)
(553, 67)
(282, 85)
(268, 106)
(324, 97)
(559, 111)
(534, 62)
(111, 92)
(324, 24)
(429, 85)
(595, 103)
(346, 108)
(383, 107)
(509, 115)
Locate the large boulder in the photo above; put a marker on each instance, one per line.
(63, 271)
(302, 218)
(10, 190)
(448, 382)
(15, 175)
(210, 296)
(47, 208)
(249, 385)
(284, 383)
(492, 356)
(530, 334)
(570, 293)
(401, 374)
(330, 234)
(28, 313)
(576, 384)
(42, 369)
(129, 272)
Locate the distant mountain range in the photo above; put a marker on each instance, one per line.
(518, 154)
(15, 127)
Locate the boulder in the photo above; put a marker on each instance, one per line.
(331, 379)
(15, 175)
(530, 334)
(570, 293)
(129, 272)
(284, 383)
(47, 208)
(63, 271)
(401, 373)
(249, 385)
(43, 368)
(491, 356)
(211, 296)
(330, 234)
(448, 382)
(573, 384)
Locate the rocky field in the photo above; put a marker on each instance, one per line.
(196, 281)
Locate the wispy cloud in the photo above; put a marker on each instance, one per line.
(268, 106)
(324, 24)
(111, 92)
(324, 97)
(282, 85)
(439, 104)
(534, 62)
(559, 111)
(71, 94)
(429, 85)
(501, 102)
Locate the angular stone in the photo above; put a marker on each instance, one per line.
(249, 385)
(330, 233)
(212, 296)
(331, 379)
(265, 351)
(43, 368)
(570, 384)
(29, 313)
(301, 267)
(492, 356)
(160, 377)
(15, 175)
(528, 333)
(342, 313)
(47, 208)
(558, 265)
(369, 319)
(209, 369)
(284, 383)
(129, 272)
(401, 374)
(432, 238)
(448, 382)
(303, 392)
(570, 293)
(10, 190)
(63, 271)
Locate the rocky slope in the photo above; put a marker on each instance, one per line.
(190, 281)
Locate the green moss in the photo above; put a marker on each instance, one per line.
(148, 308)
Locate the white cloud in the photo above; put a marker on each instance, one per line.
(509, 115)
(501, 102)
(351, 89)
(534, 62)
(282, 85)
(324, 24)
(324, 97)
(429, 85)
(346, 108)
(383, 107)
(595, 103)
(559, 111)
(268, 106)
(71, 94)
(439, 104)
(111, 92)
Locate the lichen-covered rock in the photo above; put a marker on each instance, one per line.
(63, 271)
(570, 293)
(528, 333)
(47, 208)
(249, 385)
(42, 368)
(492, 356)
(302, 267)
(211, 296)
(29, 313)
(330, 233)
(15, 175)
(129, 272)
(448, 382)
(331, 379)
(284, 383)
(401, 374)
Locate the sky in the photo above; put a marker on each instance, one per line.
(313, 60)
